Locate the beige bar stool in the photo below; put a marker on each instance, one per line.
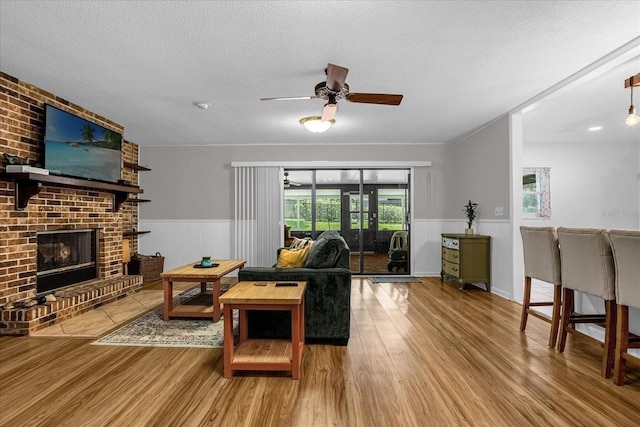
(626, 257)
(541, 262)
(587, 266)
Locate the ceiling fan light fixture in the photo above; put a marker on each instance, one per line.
(315, 124)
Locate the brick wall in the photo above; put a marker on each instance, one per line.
(54, 207)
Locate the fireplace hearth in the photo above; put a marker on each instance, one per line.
(65, 257)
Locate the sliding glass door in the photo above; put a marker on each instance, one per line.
(369, 207)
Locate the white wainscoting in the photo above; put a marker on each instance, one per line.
(427, 249)
(185, 241)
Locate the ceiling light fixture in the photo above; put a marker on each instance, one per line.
(315, 124)
(632, 118)
(595, 128)
(201, 105)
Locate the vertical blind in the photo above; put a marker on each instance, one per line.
(257, 214)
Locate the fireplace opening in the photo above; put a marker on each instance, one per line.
(66, 257)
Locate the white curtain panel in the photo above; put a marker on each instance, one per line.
(257, 214)
(543, 178)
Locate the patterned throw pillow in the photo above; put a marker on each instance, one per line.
(300, 243)
(292, 258)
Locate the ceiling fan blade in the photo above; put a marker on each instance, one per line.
(375, 98)
(329, 112)
(289, 98)
(336, 76)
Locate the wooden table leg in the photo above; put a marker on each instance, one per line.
(243, 325)
(297, 333)
(216, 300)
(167, 286)
(302, 325)
(228, 340)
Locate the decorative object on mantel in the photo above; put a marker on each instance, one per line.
(471, 212)
(11, 160)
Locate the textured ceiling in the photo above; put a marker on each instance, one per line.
(459, 64)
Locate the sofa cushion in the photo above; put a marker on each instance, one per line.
(323, 253)
(292, 258)
(300, 243)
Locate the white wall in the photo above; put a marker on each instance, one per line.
(593, 185)
(183, 241)
(480, 171)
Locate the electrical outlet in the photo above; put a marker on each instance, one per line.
(499, 211)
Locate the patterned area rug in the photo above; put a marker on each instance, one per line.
(391, 279)
(151, 331)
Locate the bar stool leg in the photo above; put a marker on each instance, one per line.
(525, 303)
(567, 308)
(555, 316)
(609, 338)
(622, 343)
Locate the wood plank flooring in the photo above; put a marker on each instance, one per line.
(421, 354)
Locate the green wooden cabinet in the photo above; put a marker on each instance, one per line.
(466, 258)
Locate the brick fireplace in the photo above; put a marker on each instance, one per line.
(65, 257)
(56, 208)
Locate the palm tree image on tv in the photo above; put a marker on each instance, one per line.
(87, 133)
(79, 148)
(112, 139)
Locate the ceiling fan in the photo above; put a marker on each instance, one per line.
(334, 89)
(288, 183)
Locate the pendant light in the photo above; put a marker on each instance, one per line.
(632, 118)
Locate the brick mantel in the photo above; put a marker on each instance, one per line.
(54, 206)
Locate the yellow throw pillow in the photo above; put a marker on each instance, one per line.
(292, 258)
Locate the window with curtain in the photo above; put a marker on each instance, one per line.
(536, 192)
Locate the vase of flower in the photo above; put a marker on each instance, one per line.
(471, 212)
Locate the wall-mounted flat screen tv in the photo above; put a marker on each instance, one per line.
(79, 148)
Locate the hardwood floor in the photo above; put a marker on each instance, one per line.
(374, 263)
(421, 354)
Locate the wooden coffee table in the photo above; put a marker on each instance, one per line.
(260, 354)
(189, 273)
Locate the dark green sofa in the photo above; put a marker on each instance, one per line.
(327, 298)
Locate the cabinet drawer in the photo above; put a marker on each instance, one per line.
(451, 268)
(451, 255)
(450, 243)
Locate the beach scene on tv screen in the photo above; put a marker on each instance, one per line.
(79, 148)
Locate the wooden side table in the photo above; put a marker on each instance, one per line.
(261, 354)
